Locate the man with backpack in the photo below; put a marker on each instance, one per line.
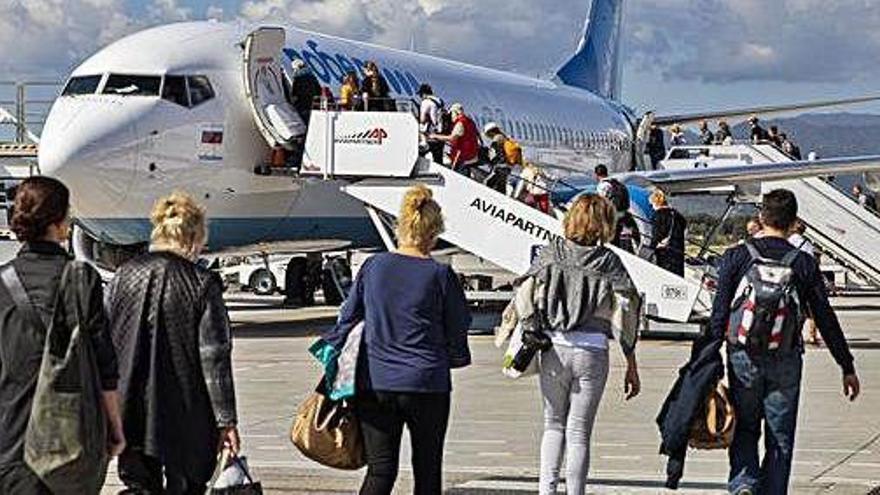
(626, 233)
(463, 139)
(433, 119)
(504, 152)
(766, 287)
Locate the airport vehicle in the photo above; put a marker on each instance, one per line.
(262, 277)
(173, 108)
(296, 270)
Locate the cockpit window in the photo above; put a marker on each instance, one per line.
(125, 85)
(175, 90)
(81, 85)
(200, 89)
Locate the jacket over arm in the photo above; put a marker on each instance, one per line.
(215, 343)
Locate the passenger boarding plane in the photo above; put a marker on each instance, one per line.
(166, 109)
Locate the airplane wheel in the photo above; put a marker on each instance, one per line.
(296, 282)
(263, 282)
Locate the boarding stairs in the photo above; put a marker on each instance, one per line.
(377, 155)
(845, 230)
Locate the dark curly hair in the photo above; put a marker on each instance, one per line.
(39, 203)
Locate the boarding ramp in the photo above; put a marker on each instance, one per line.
(377, 155)
(842, 228)
(846, 231)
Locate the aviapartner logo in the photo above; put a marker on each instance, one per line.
(373, 136)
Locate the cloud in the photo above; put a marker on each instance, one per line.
(719, 41)
(521, 35)
(756, 40)
(47, 38)
(705, 40)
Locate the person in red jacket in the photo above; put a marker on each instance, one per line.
(464, 141)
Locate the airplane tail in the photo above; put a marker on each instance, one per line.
(595, 65)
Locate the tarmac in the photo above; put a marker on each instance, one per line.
(492, 446)
(493, 441)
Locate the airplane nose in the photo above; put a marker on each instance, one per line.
(91, 145)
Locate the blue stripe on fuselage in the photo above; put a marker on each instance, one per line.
(331, 68)
(224, 232)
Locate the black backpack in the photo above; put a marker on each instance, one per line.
(618, 194)
(445, 124)
(766, 313)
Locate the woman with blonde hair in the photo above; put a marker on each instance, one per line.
(574, 299)
(532, 188)
(349, 92)
(667, 240)
(171, 332)
(415, 330)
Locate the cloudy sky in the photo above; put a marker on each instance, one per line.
(681, 55)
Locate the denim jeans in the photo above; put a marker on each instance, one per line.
(572, 382)
(764, 389)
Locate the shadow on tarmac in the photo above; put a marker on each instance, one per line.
(281, 329)
(594, 482)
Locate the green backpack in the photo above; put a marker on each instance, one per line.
(66, 438)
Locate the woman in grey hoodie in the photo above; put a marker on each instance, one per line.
(578, 294)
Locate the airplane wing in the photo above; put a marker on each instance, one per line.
(726, 175)
(285, 247)
(743, 113)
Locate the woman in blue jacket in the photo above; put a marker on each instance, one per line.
(415, 330)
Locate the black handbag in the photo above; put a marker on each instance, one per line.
(534, 341)
(251, 488)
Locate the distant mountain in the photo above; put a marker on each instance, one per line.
(829, 134)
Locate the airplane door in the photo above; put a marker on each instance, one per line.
(643, 133)
(263, 74)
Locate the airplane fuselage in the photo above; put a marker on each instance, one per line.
(120, 152)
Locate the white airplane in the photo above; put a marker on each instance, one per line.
(167, 109)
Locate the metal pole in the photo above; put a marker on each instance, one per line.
(20, 114)
(731, 204)
(383, 231)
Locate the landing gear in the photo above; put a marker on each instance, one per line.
(302, 279)
(336, 281)
(103, 256)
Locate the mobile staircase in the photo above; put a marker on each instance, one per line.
(843, 229)
(848, 232)
(376, 156)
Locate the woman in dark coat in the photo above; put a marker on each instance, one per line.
(172, 335)
(668, 236)
(377, 94)
(40, 222)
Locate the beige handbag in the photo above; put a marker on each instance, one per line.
(713, 428)
(328, 432)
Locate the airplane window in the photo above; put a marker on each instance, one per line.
(174, 90)
(126, 85)
(81, 85)
(200, 89)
